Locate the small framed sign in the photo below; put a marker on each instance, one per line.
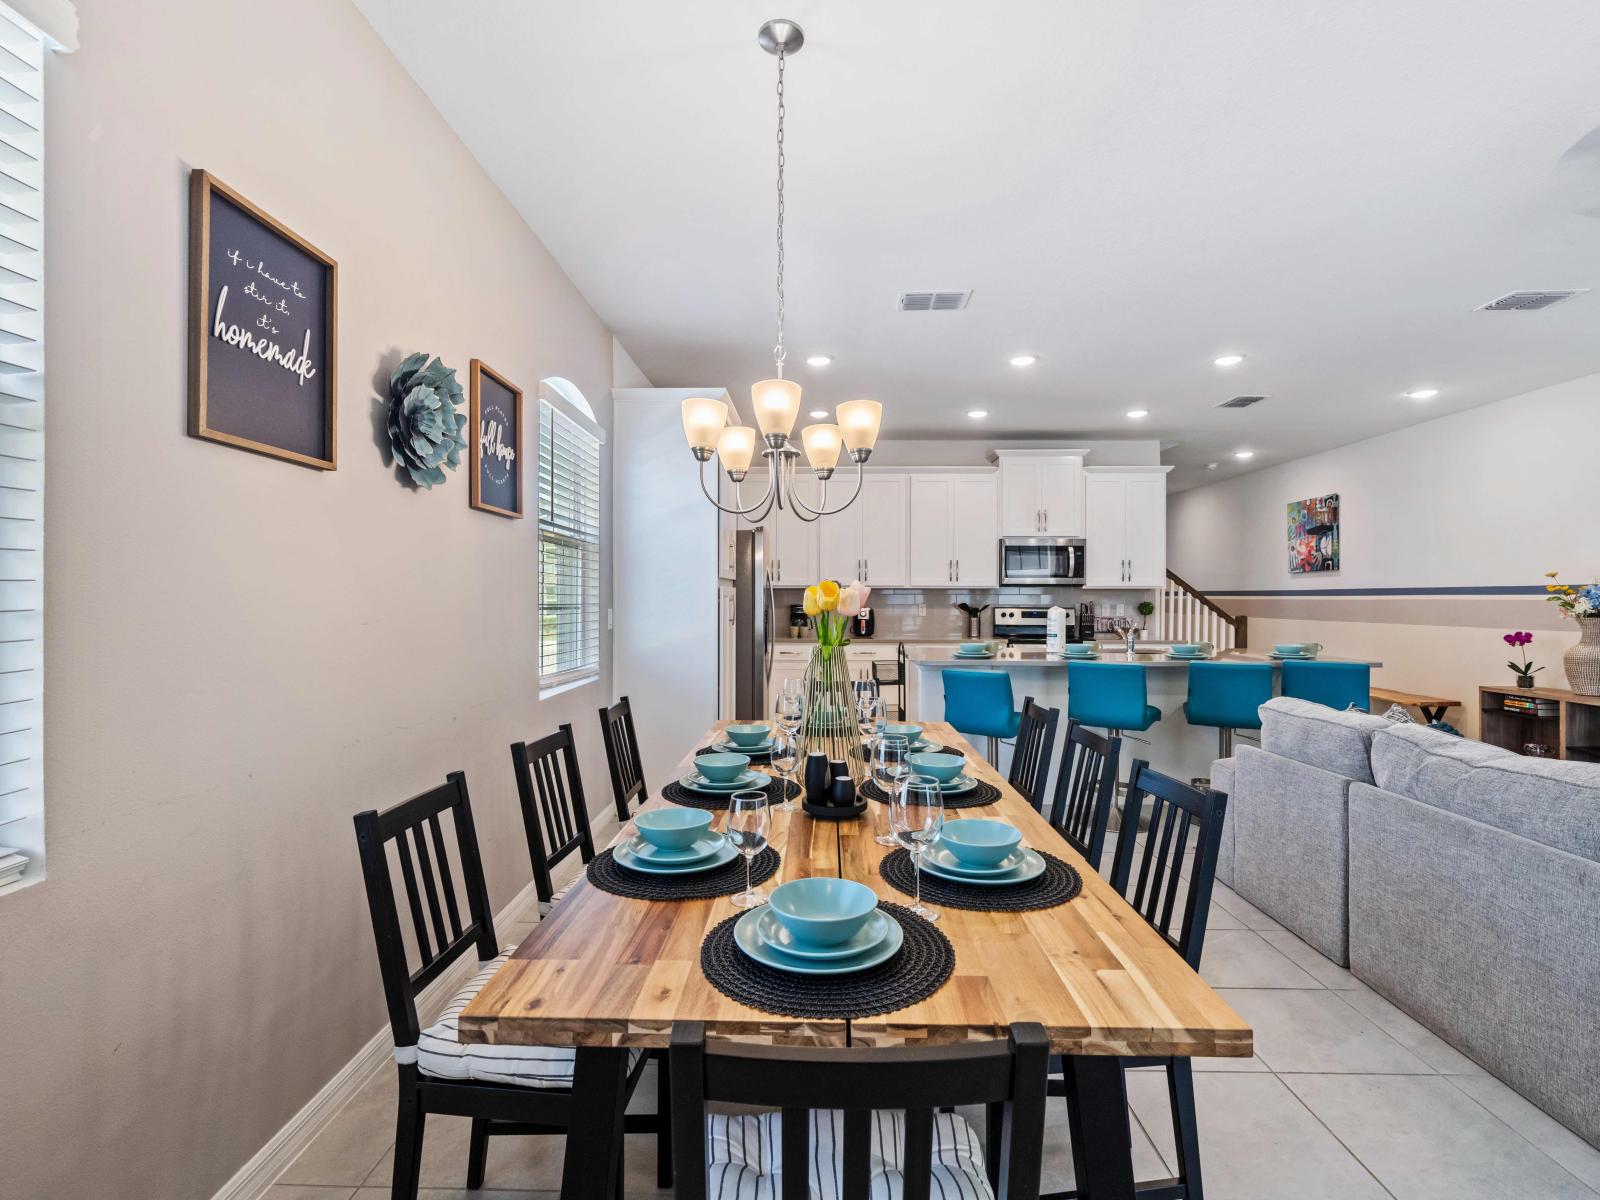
(263, 331)
(496, 442)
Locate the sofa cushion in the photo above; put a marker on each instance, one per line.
(1547, 800)
(1426, 764)
(1319, 736)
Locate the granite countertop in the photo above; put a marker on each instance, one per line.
(1151, 654)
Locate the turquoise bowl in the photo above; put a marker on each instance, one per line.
(910, 732)
(974, 647)
(943, 767)
(1079, 649)
(1289, 648)
(672, 828)
(979, 842)
(721, 768)
(821, 911)
(750, 733)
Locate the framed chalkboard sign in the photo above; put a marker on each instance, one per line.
(263, 331)
(496, 442)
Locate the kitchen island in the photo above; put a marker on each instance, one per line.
(1171, 745)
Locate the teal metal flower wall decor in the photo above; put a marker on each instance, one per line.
(425, 430)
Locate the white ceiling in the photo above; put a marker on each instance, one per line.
(1129, 189)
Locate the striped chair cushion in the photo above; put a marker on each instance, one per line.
(440, 1052)
(744, 1157)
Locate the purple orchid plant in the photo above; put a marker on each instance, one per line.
(1525, 669)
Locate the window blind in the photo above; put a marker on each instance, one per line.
(569, 550)
(21, 449)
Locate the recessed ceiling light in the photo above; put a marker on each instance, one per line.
(978, 414)
(819, 360)
(1228, 360)
(1138, 414)
(818, 414)
(1243, 455)
(1211, 466)
(1422, 393)
(1024, 360)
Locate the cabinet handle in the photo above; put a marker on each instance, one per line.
(958, 570)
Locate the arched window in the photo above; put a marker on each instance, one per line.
(569, 536)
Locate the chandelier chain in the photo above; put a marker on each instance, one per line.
(778, 352)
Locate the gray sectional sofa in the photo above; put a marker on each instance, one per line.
(1460, 881)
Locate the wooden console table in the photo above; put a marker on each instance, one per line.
(1432, 708)
(1571, 731)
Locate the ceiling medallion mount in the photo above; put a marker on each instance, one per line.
(777, 400)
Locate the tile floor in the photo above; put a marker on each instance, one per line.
(1346, 1098)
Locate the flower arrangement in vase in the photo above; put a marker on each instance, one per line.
(829, 724)
(1582, 604)
(1524, 670)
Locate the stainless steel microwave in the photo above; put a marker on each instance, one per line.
(1041, 561)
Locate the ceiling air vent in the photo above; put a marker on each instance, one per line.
(933, 301)
(1528, 301)
(1241, 402)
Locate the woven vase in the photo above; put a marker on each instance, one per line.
(1583, 660)
(830, 717)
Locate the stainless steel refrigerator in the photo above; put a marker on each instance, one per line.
(754, 617)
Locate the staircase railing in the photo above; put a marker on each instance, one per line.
(1189, 615)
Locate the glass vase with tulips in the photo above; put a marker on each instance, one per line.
(830, 724)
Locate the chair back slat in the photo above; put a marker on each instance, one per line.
(446, 883)
(802, 1080)
(423, 874)
(1086, 790)
(622, 755)
(555, 815)
(1030, 760)
(1178, 811)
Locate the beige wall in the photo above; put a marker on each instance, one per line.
(1437, 505)
(242, 653)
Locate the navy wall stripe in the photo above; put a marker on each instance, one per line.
(1509, 590)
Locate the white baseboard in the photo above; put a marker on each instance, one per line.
(254, 1178)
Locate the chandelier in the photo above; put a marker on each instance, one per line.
(777, 401)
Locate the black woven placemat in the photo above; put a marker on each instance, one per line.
(1057, 885)
(861, 751)
(611, 876)
(982, 793)
(917, 970)
(676, 793)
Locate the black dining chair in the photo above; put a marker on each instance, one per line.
(622, 756)
(1030, 757)
(503, 1089)
(555, 815)
(1086, 790)
(810, 1146)
(1150, 877)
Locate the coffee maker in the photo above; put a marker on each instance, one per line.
(799, 623)
(863, 624)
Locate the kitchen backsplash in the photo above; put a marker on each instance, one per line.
(931, 615)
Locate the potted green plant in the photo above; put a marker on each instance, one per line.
(1146, 611)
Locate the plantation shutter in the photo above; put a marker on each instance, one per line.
(21, 450)
(569, 550)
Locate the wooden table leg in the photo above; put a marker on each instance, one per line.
(593, 1164)
(1097, 1118)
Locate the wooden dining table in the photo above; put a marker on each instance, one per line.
(606, 974)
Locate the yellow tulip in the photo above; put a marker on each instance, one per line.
(828, 595)
(812, 605)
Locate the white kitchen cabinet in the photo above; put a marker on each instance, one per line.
(953, 536)
(867, 541)
(792, 543)
(1041, 493)
(1125, 527)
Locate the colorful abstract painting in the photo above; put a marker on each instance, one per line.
(1314, 534)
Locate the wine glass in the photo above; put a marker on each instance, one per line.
(784, 758)
(747, 830)
(917, 818)
(869, 719)
(789, 708)
(889, 767)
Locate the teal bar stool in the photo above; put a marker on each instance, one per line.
(1338, 685)
(1109, 696)
(979, 703)
(1227, 696)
